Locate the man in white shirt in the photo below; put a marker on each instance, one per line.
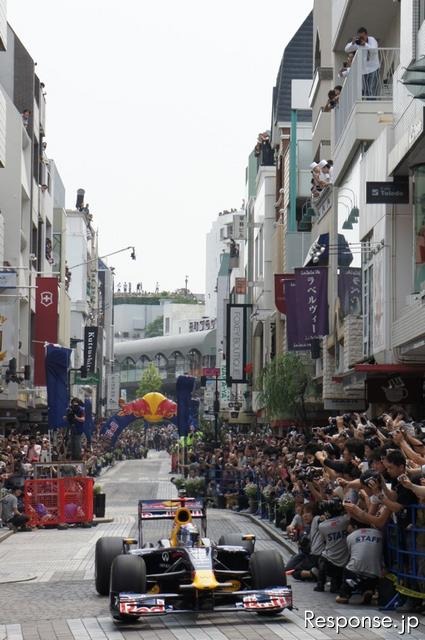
(370, 60)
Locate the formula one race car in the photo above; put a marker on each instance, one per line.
(187, 571)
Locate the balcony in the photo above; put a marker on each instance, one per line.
(365, 106)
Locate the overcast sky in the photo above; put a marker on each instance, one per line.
(153, 108)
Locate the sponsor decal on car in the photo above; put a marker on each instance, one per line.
(142, 606)
(264, 602)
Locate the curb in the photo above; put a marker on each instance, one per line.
(102, 520)
(273, 533)
(5, 535)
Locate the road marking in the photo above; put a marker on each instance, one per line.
(11, 632)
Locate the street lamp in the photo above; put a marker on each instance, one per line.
(113, 253)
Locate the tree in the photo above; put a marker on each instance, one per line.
(155, 328)
(150, 381)
(284, 383)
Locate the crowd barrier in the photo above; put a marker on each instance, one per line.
(405, 551)
(57, 501)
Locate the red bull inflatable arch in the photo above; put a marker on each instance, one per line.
(152, 407)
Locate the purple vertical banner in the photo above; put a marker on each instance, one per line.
(350, 291)
(311, 294)
(292, 324)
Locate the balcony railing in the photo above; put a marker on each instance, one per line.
(359, 87)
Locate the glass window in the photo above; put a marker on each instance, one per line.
(421, 11)
(419, 228)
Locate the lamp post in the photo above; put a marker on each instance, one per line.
(113, 253)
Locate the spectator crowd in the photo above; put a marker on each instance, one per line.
(349, 493)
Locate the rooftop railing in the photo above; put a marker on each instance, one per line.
(366, 87)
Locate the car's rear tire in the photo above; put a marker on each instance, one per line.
(267, 570)
(235, 539)
(107, 549)
(128, 573)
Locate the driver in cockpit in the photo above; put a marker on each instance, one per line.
(188, 535)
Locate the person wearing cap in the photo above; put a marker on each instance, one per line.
(324, 172)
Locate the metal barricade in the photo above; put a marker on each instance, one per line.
(405, 551)
(53, 501)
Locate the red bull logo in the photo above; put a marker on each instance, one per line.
(153, 407)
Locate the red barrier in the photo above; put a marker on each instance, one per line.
(59, 501)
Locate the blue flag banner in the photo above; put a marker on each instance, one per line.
(88, 414)
(184, 388)
(57, 363)
(113, 427)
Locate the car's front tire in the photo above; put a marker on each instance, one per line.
(128, 573)
(107, 549)
(267, 570)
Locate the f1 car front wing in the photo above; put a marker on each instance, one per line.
(255, 600)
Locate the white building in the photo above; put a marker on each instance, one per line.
(228, 226)
(133, 313)
(26, 225)
(374, 141)
(81, 256)
(185, 318)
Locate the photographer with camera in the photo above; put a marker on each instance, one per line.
(75, 416)
(370, 60)
(333, 530)
(365, 565)
(304, 565)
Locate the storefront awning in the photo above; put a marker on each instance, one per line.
(388, 369)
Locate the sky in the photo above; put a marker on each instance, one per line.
(153, 109)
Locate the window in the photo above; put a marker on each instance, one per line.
(167, 325)
(421, 11)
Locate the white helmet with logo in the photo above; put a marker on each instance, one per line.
(188, 535)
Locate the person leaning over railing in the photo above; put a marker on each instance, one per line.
(370, 60)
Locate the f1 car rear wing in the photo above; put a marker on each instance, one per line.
(166, 510)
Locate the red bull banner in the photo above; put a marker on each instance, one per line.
(153, 407)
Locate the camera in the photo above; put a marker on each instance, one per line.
(308, 473)
(370, 431)
(369, 478)
(358, 41)
(331, 508)
(331, 429)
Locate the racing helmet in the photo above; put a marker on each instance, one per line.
(188, 535)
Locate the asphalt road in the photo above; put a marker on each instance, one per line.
(57, 600)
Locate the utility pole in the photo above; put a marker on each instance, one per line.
(186, 280)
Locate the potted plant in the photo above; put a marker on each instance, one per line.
(286, 506)
(99, 501)
(180, 483)
(251, 492)
(195, 487)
